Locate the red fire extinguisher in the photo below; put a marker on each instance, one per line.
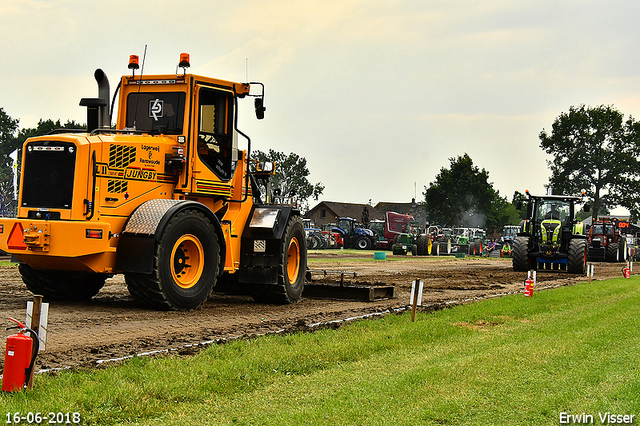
(19, 358)
(626, 272)
(528, 287)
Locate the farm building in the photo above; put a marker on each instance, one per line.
(327, 211)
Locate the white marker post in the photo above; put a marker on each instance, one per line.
(590, 271)
(416, 297)
(37, 318)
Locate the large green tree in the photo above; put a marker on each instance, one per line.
(462, 195)
(595, 150)
(8, 144)
(291, 176)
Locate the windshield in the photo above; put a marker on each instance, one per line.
(159, 111)
(599, 228)
(510, 232)
(345, 225)
(377, 227)
(554, 209)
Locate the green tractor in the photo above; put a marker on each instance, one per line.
(412, 241)
(550, 236)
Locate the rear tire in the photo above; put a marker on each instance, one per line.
(62, 285)
(622, 246)
(185, 267)
(423, 245)
(612, 253)
(291, 269)
(577, 256)
(520, 258)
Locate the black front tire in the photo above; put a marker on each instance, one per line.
(185, 268)
(363, 243)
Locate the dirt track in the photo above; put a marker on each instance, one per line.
(112, 325)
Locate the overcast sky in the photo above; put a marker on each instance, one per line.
(376, 95)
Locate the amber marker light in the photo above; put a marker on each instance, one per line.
(184, 60)
(133, 62)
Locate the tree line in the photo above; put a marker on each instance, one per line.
(593, 149)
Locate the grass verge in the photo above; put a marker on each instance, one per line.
(511, 360)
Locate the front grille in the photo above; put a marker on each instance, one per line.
(49, 171)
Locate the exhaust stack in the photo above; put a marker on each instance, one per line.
(98, 108)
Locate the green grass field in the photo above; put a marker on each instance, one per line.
(506, 361)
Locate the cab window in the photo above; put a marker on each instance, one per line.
(214, 131)
(162, 112)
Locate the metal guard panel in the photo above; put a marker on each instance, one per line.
(146, 218)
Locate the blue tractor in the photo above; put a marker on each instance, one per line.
(354, 235)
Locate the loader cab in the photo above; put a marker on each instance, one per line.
(163, 112)
(198, 113)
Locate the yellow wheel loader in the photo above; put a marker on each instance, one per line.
(166, 198)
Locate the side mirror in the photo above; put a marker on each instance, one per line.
(518, 205)
(587, 208)
(260, 109)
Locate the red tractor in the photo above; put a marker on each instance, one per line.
(388, 229)
(606, 242)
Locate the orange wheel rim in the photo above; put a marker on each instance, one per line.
(187, 261)
(293, 260)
